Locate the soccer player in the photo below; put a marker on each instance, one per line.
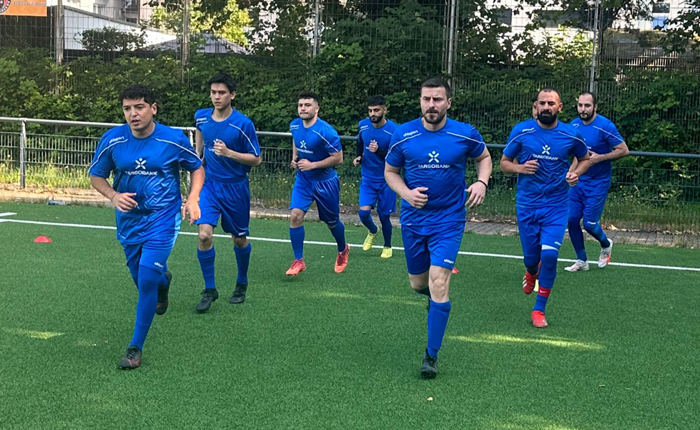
(433, 152)
(543, 148)
(372, 145)
(145, 158)
(229, 145)
(315, 153)
(587, 199)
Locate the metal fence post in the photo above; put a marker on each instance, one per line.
(22, 154)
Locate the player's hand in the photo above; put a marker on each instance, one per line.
(220, 148)
(294, 163)
(572, 179)
(417, 197)
(373, 146)
(191, 207)
(124, 202)
(357, 161)
(477, 193)
(595, 158)
(529, 167)
(305, 165)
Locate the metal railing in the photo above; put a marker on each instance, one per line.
(641, 197)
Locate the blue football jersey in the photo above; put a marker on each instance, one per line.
(436, 160)
(150, 168)
(552, 149)
(601, 137)
(238, 133)
(315, 143)
(373, 162)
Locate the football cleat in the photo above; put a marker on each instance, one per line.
(428, 369)
(369, 241)
(605, 254)
(538, 320)
(529, 282)
(578, 266)
(387, 252)
(455, 271)
(132, 358)
(341, 262)
(162, 304)
(296, 268)
(238, 294)
(209, 296)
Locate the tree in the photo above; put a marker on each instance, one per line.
(683, 32)
(112, 39)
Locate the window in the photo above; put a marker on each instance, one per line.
(505, 16)
(555, 18)
(658, 22)
(660, 8)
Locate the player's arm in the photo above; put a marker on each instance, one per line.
(295, 156)
(508, 165)
(414, 197)
(199, 143)
(618, 152)
(192, 205)
(248, 159)
(582, 166)
(484, 168)
(333, 159)
(124, 202)
(359, 151)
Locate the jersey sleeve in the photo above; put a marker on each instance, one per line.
(612, 136)
(580, 149)
(477, 144)
(102, 163)
(332, 140)
(395, 156)
(187, 158)
(513, 146)
(199, 118)
(252, 146)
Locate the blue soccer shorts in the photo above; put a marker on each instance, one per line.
(587, 201)
(152, 253)
(377, 194)
(229, 201)
(325, 193)
(541, 228)
(435, 245)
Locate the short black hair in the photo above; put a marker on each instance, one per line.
(437, 82)
(223, 78)
(588, 93)
(376, 101)
(308, 95)
(138, 91)
(548, 90)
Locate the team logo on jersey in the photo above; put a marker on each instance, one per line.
(302, 144)
(433, 162)
(5, 5)
(545, 149)
(140, 169)
(433, 157)
(140, 164)
(302, 148)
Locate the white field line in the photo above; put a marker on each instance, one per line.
(312, 242)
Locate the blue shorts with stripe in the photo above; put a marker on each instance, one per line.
(435, 245)
(377, 194)
(587, 201)
(541, 228)
(325, 193)
(152, 253)
(229, 201)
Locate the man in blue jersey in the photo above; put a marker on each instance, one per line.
(587, 199)
(372, 145)
(433, 152)
(543, 148)
(315, 153)
(145, 159)
(228, 143)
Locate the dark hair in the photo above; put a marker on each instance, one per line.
(376, 101)
(548, 90)
(588, 93)
(308, 95)
(223, 78)
(437, 82)
(138, 91)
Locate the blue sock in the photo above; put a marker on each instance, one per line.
(296, 235)
(386, 229)
(338, 232)
(597, 232)
(243, 261)
(425, 291)
(438, 315)
(206, 262)
(146, 305)
(576, 235)
(548, 271)
(366, 218)
(541, 300)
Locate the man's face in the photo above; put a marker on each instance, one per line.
(307, 109)
(548, 107)
(376, 113)
(586, 108)
(434, 104)
(138, 113)
(220, 96)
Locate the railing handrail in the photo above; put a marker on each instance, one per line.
(288, 134)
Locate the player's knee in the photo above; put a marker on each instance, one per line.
(590, 225)
(549, 259)
(240, 242)
(439, 288)
(296, 218)
(574, 222)
(205, 240)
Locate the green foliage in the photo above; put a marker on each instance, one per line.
(112, 39)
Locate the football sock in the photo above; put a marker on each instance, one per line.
(597, 232)
(146, 305)
(548, 271)
(541, 300)
(296, 234)
(386, 229)
(243, 261)
(366, 218)
(576, 235)
(438, 315)
(338, 232)
(206, 262)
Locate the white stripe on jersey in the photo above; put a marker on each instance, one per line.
(319, 135)
(526, 131)
(573, 137)
(607, 132)
(179, 146)
(464, 137)
(250, 142)
(120, 139)
(401, 141)
(388, 132)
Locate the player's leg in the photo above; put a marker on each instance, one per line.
(553, 221)
(577, 203)
(417, 259)
(591, 222)
(206, 252)
(235, 220)
(385, 207)
(529, 230)
(368, 198)
(327, 197)
(302, 197)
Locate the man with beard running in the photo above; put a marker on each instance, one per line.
(588, 198)
(372, 145)
(543, 148)
(433, 152)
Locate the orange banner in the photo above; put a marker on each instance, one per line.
(23, 7)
